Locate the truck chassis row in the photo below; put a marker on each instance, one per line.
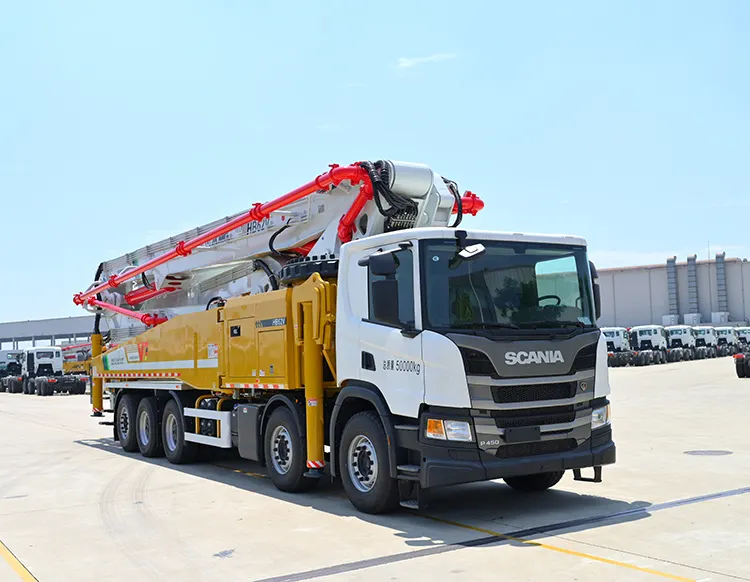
(44, 385)
(648, 357)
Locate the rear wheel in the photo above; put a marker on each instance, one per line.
(286, 455)
(364, 466)
(148, 433)
(177, 450)
(537, 482)
(125, 423)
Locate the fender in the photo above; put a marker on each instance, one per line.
(370, 393)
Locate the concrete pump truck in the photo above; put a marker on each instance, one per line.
(351, 329)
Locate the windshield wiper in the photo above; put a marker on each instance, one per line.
(552, 323)
(488, 325)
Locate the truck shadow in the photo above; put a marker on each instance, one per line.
(485, 510)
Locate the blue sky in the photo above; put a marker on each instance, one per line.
(624, 122)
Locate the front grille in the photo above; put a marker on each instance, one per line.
(534, 416)
(536, 448)
(533, 392)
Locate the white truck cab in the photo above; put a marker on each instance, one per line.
(743, 335)
(726, 340)
(40, 361)
(650, 337)
(617, 338)
(681, 336)
(705, 335)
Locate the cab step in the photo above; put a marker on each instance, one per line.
(408, 468)
(597, 478)
(107, 422)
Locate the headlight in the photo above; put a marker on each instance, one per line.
(452, 430)
(600, 417)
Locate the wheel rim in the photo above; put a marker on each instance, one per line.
(170, 432)
(124, 422)
(144, 427)
(282, 453)
(363, 463)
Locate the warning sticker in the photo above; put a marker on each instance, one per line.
(213, 351)
(132, 353)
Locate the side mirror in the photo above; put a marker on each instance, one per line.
(597, 291)
(467, 253)
(381, 264)
(385, 301)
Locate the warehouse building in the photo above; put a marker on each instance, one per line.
(693, 292)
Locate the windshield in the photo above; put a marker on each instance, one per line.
(44, 355)
(524, 285)
(609, 334)
(700, 331)
(675, 332)
(644, 332)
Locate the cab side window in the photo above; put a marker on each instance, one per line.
(405, 277)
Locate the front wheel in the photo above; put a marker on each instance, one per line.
(537, 482)
(364, 466)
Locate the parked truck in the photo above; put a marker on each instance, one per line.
(727, 343)
(10, 369)
(619, 352)
(350, 329)
(40, 370)
(706, 337)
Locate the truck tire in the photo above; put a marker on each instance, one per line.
(286, 454)
(537, 482)
(25, 386)
(41, 390)
(125, 423)
(148, 425)
(364, 465)
(177, 450)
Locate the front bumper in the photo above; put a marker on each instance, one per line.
(451, 463)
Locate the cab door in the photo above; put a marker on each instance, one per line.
(391, 351)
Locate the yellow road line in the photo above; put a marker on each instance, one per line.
(15, 563)
(562, 550)
(249, 473)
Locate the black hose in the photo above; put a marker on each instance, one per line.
(220, 300)
(282, 254)
(378, 174)
(453, 187)
(267, 270)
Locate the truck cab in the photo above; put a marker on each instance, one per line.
(681, 336)
(705, 335)
(40, 361)
(650, 337)
(743, 335)
(726, 340)
(617, 338)
(10, 362)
